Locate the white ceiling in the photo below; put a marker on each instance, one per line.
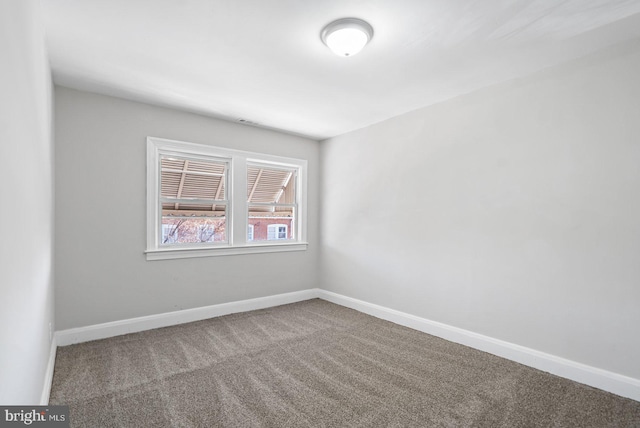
(263, 60)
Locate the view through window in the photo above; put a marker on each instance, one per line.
(193, 200)
(271, 196)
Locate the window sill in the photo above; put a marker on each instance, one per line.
(187, 253)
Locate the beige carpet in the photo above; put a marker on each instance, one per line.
(314, 364)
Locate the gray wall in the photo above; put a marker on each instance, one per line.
(26, 195)
(512, 212)
(101, 271)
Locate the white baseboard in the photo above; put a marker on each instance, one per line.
(133, 325)
(618, 384)
(48, 376)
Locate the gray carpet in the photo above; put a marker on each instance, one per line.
(314, 364)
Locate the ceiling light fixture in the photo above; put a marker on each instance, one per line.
(347, 36)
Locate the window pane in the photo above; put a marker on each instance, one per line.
(193, 229)
(271, 187)
(271, 223)
(187, 183)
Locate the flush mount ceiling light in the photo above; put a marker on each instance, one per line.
(347, 36)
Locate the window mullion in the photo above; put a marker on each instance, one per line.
(239, 209)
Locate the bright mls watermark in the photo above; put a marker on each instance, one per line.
(34, 416)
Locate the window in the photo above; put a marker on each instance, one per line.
(192, 198)
(204, 200)
(277, 231)
(271, 195)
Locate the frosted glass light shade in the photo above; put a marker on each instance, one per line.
(347, 36)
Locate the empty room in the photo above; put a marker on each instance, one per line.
(288, 213)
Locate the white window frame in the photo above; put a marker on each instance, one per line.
(286, 232)
(237, 204)
(250, 234)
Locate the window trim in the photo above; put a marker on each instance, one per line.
(237, 206)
